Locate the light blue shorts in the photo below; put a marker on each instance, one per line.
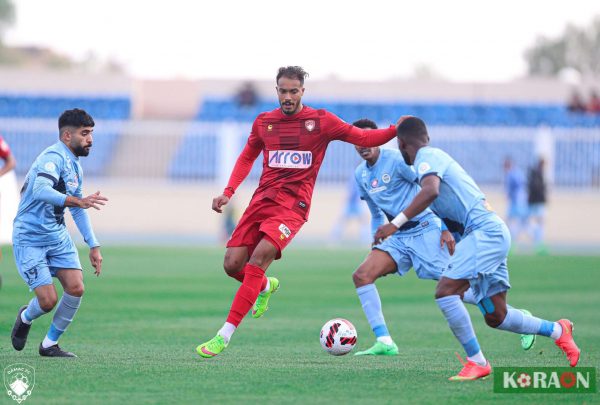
(38, 264)
(480, 257)
(420, 251)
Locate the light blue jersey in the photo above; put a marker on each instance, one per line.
(460, 203)
(55, 174)
(480, 255)
(388, 187)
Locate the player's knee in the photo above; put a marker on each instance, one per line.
(232, 266)
(47, 303)
(361, 277)
(76, 290)
(261, 260)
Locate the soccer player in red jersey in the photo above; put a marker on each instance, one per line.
(293, 140)
(9, 195)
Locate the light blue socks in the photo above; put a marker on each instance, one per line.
(460, 323)
(371, 304)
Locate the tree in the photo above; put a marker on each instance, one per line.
(577, 48)
(7, 15)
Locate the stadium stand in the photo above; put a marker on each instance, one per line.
(51, 106)
(487, 134)
(27, 145)
(435, 113)
(29, 124)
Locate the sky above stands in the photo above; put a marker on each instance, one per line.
(460, 40)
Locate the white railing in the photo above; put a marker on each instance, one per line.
(205, 151)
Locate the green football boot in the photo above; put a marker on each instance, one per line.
(211, 348)
(262, 302)
(379, 349)
(527, 341)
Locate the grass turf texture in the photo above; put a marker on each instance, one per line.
(140, 322)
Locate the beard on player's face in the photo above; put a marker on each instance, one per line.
(289, 107)
(81, 149)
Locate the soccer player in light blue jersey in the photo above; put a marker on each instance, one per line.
(480, 260)
(42, 246)
(387, 184)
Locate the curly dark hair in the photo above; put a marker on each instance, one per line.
(292, 72)
(365, 123)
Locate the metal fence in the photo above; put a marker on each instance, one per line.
(206, 151)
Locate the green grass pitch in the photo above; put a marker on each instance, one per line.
(140, 322)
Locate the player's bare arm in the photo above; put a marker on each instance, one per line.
(96, 260)
(91, 201)
(430, 189)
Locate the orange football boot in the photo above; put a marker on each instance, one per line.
(566, 343)
(471, 371)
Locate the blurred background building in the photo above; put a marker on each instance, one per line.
(164, 148)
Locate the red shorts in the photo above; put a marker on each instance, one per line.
(266, 218)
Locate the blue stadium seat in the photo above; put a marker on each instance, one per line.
(438, 113)
(51, 106)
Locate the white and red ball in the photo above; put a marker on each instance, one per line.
(338, 336)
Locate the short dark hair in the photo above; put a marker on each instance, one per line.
(292, 72)
(364, 123)
(75, 118)
(413, 128)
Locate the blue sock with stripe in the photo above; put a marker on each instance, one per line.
(459, 322)
(371, 305)
(65, 312)
(33, 311)
(518, 322)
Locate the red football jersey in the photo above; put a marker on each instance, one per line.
(293, 148)
(4, 149)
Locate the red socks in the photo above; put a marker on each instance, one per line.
(253, 281)
(239, 276)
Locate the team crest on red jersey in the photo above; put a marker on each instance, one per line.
(310, 125)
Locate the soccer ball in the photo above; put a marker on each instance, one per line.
(338, 337)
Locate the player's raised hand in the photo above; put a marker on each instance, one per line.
(92, 201)
(383, 232)
(96, 260)
(219, 202)
(448, 239)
